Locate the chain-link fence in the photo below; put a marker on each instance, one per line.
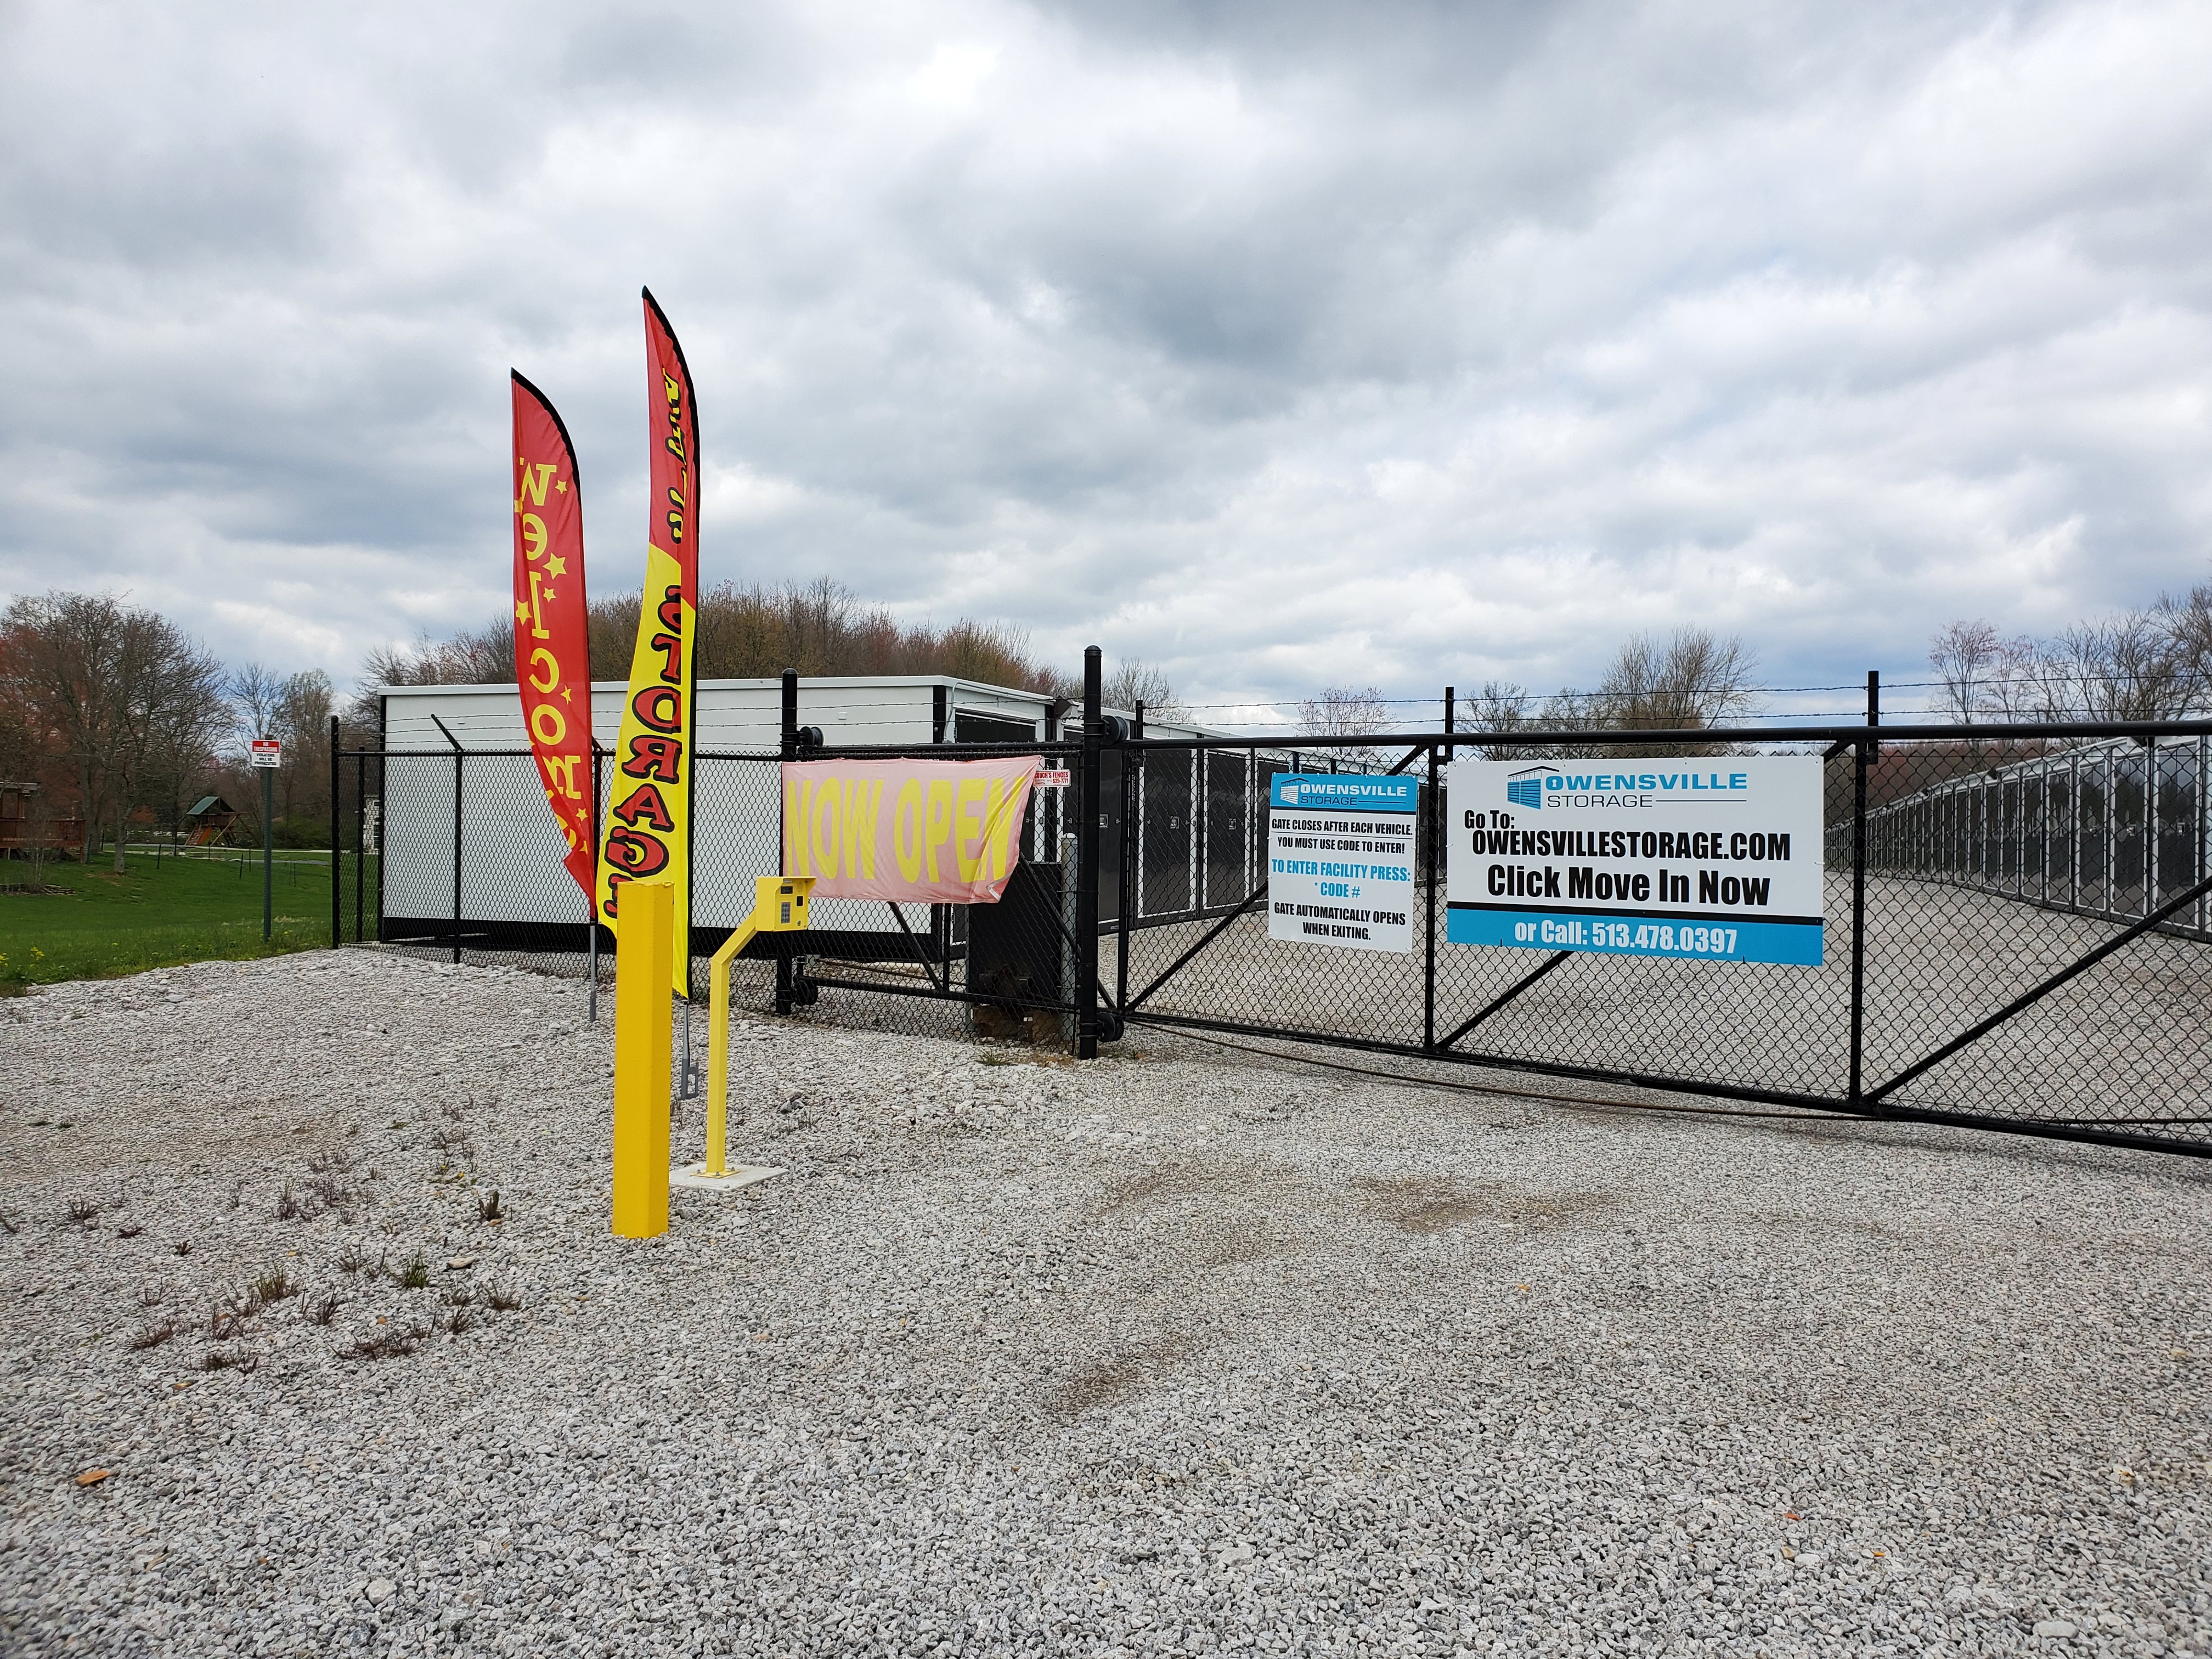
(455, 854)
(2111, 829)
(2013, 933)
(2014, 921)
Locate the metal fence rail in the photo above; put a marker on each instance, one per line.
(2015, 931)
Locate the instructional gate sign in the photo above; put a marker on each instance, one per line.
(1714, 857)
(1340, 860)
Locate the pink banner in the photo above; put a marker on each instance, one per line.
(938, 832)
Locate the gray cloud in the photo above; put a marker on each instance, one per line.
(1281, 344)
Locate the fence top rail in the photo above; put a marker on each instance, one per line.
(1475, 738)
(830, 751)
(947, 750)
(1466, 737)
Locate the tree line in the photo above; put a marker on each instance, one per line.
(1691, 680)
(123, 721)
(756, 631)
(2154, 663)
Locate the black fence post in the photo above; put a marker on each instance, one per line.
(457, 854)
(1086, 866)
(1431, 824)
(1862, 753)
(335, 917)
(788, 746)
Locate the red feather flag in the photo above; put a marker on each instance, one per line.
(552, 656)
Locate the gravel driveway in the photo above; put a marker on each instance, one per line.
(1182, 1352)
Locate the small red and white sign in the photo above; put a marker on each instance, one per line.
(268, 751)
(1054, 777)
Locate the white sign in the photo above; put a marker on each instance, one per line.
(268, 751)
(1708, 856)
(1054, 777)
(1340, 860)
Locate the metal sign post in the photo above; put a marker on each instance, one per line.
(267, 756)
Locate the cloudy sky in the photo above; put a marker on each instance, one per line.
(1281, 345)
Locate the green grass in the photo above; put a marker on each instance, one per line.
(160, 914)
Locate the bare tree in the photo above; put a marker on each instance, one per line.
(253, 692)
(114, 688)
(1340, 711)
(1498, 706)
(2188, 623)
(302, 721)
(1133, 681)
(1695, 679)
(2129, 667)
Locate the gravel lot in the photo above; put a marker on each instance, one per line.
(1183, 1351)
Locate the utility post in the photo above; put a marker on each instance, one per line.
(268, 754)
(1086, 864)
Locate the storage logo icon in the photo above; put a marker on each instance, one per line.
(1527, 788)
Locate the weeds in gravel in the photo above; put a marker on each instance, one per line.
(458, 1320)
(332, 1194)
(503, 1299)
(151, 1295)
(182, 1247)
(274, 1286)
(353, 1259)
(155, 1333)
(388, 1343)
(241, 1359)
(331, 1160)
(320, 1312)
(289, 1207)
(458, 1296)
(11, 1224)
(82, 1209)
(487, 1208)
(416, 1275)
(128, 1230)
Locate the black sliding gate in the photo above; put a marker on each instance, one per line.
(2018, 920)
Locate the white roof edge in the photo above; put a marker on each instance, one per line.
(507, 688)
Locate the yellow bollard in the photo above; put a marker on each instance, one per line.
(642, 1021)
(779, 906)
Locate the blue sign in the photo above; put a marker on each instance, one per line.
(1331, 791)
(1703, 939)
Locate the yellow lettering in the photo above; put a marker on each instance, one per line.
(829, 800)
(937, 825)
(968, 803)
(548, 724)
(863, 797)
(552, 669)
(533, 489)
(906, 829)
